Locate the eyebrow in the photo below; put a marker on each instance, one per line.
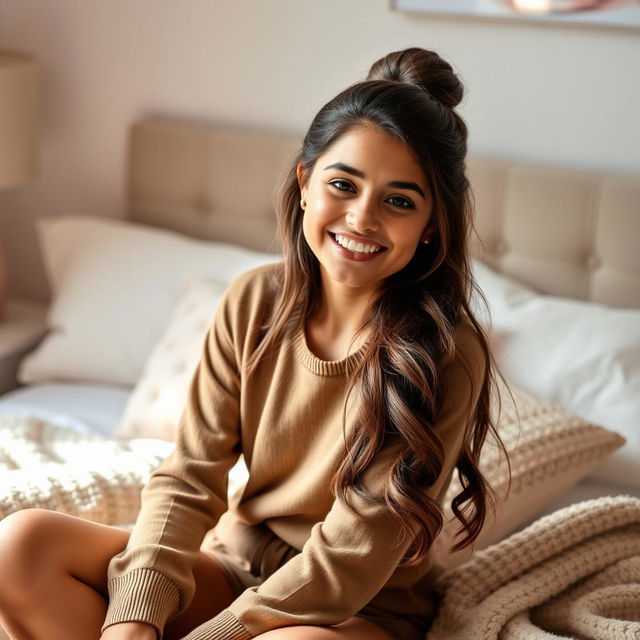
(398, 184)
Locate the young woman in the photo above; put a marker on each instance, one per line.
(354, 379)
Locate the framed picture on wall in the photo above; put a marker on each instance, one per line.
(618, 13)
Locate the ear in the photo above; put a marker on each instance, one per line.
(427, 234)
(302, 180)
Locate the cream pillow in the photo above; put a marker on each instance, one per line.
(550, 450)
(156, 404)
(115, 285)
(581, 355)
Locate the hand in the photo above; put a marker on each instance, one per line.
(130, 631)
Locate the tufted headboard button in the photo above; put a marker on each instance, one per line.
(593, 262)
(501, 246)
(202, 206)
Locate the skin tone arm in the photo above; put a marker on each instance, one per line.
(129, 631)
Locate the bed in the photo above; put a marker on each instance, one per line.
(556, 255)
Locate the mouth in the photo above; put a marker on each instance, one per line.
(380, 248)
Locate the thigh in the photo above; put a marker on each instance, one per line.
(353, 629)
(41, 542)
(52, 539)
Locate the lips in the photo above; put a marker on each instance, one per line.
(354, 256)
(357, 239)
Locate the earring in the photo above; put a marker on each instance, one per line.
(303, 204)
(426, 241)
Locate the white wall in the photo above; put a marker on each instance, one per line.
(535, 91)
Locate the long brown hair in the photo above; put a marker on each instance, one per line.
(410, 95)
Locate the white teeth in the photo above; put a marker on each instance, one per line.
(357, 247)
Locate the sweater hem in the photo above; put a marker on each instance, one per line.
(142, 595)
(225, 626)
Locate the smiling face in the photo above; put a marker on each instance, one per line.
(366, 191)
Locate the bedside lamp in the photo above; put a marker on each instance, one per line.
(18, 162)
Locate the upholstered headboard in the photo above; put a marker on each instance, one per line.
(563, 231)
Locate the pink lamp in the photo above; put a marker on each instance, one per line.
(18, 161)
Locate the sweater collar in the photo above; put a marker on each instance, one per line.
(317, 365)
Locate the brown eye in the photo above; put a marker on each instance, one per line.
(341, 185)
(401, 203)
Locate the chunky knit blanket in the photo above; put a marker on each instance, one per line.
(572, 574)
(47, 466)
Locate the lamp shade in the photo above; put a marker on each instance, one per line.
(18, 118)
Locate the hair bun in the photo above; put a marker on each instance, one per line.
(422, 68)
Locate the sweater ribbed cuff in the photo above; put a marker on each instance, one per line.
(143, 595)
(225, 626)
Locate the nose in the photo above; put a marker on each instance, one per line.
(362, 216)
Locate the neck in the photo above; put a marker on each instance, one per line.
(342, 310)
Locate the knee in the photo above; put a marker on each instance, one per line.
(23, 550)
(25, 532)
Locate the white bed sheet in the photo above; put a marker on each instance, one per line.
(85, 408)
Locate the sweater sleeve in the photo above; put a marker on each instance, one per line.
(151, 580)
(349, 556)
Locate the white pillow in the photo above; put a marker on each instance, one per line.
(156, 404)
(582, 355)
(115, 284)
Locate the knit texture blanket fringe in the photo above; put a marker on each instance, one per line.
(51, 467)
(572, 574)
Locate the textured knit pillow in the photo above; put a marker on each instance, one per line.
(550, 450)
(155, 406)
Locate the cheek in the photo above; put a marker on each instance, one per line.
(313, 225)
(322, 209)
(322, 203)
(407, 240)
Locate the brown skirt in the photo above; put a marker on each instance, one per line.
(238, 573)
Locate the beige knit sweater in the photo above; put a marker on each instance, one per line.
(287, 420)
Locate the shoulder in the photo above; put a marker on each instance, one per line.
(247, 300)
(463, 372)
(469, 350)
(262, 279)
(253, 289)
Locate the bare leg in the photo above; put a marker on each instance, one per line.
(41, 553)
(53, 578)
(352, 629)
